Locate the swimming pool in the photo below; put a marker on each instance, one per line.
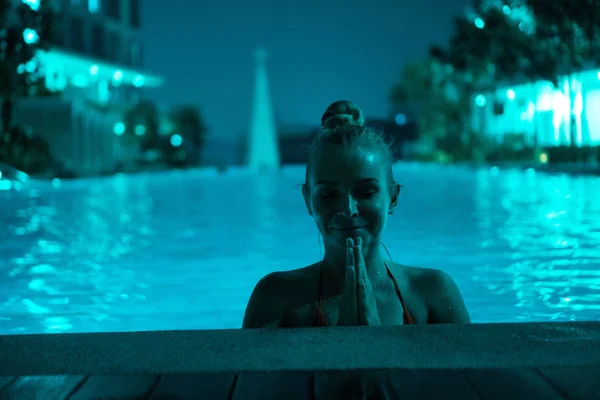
(183, 249)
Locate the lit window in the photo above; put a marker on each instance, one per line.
(93, 6)
(34, 4)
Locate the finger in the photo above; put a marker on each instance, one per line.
(350, 284)
(350, 279)
(363, 286)
(362, 277)
(350, 259)
(350, 297)
(349, 243)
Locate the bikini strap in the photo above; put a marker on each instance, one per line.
(408, 319)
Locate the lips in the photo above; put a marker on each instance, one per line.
(348, 228)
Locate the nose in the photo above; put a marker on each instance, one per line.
(349, 208)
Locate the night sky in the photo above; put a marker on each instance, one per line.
(319, 51)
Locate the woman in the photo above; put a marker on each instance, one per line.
(350, 192)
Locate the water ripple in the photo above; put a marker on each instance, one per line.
(182, 250)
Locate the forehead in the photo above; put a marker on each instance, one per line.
(347, 163)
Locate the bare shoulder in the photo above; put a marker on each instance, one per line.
(271, 297)
(444, 301)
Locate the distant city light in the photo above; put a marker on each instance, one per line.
(400, 119)
(176, 140)
(34, 4)
(140, 130)
(510, 94)
(119, 128)
(479, 23)
(480, 100)
(118, 75)
(94, 69)
(138, 81)
(506, 10)
(30, 36)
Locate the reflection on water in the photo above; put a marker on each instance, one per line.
(182, 250)
(549, 231)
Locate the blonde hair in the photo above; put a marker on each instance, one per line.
(343, 124)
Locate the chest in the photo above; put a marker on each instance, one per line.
(389, 308)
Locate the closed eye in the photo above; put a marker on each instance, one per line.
(327, 195)
(368, 192)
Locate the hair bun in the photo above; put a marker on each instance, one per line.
(342, 113)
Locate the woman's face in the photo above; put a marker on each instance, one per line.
(348, 193)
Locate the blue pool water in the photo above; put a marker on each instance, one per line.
(183, 250)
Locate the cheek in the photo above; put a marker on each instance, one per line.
(378, 215)
(322, 208)
(319, 211)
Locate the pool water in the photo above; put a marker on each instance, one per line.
(183, 249)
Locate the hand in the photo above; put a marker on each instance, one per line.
(357, 304)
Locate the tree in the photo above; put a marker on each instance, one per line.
(421, 87)
(441, 101)
(565, 37)
(187, 122)
(142, 125)
(28, 154)
(486, 46)
(26, 29)
(535, 40)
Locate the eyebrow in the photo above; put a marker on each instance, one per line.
(329, 182)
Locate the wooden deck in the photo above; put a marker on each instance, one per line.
(479, 361)
(545, 384)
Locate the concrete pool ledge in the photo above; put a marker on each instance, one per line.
(475, 346)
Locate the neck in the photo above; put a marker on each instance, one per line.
(335, 264)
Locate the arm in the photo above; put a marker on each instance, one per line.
(266, 305)
(446, 304)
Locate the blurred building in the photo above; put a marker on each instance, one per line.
(543, 114)
(96, 69)
(295, 141)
